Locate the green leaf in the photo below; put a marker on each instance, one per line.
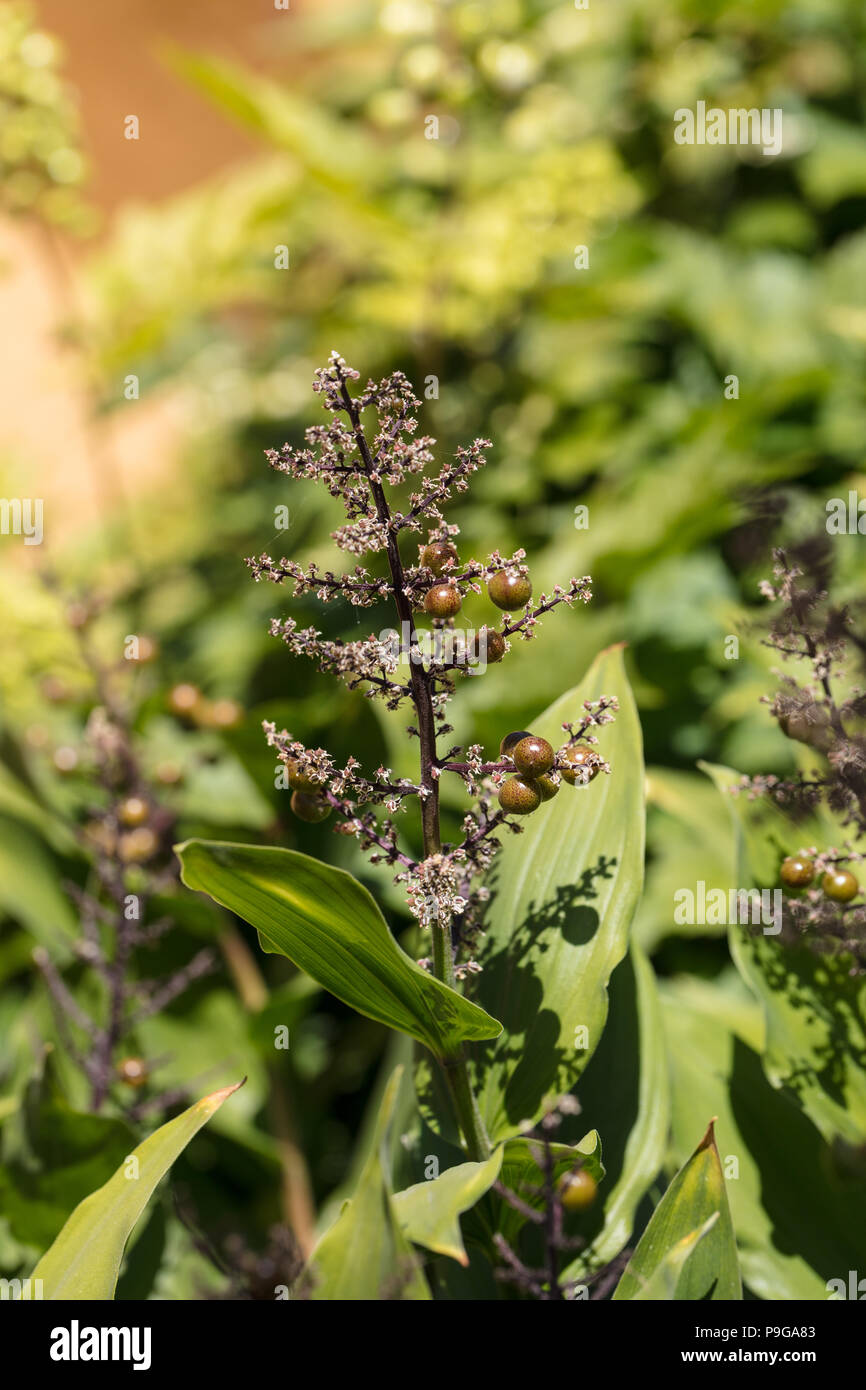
(429, 1212)
(30, 889)
(815, 1010)
(365, 1255)
(633, 1115)
(325, 921)
(53, 1156)
(564, 893)
(797, 1216)
(84, 1261)
(711, 1271)
(662, 1284)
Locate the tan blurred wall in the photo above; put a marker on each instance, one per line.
(112, 55)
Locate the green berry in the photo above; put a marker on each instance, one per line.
(546, 786)
(436, 555)
(797, 871)
(532, 756)
(442, 601)
(578, 760)
(309, 808)
(300, 781)
(490, 645)
(509, 591)
(511, 741)
(577, 1191)
(519, 796)
(840, 885)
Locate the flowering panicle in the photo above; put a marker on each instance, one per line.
(370, 446)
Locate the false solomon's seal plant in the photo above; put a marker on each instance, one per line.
(523, 917)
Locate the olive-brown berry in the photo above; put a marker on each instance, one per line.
(133, 811)
(184, 700)
(132, 1071)
(300, 781)
(436, 555)
(137, 846)
(546, 786)
(581, 765)
(489, 646)
(509, 591)
(797, 871)
(519, 796)
(442, 601)
(310, 808)
(532, 756)
(510, 742)
(577, 1191)
(840, 885)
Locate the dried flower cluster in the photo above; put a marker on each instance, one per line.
(127, 837)
(824, 712)
(358, 465)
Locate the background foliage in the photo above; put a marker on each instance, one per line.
(454, 259)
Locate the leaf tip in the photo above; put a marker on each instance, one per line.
(209, 1104)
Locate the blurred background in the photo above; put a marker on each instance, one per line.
(152, 351)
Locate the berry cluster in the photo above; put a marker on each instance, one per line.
(824, 712)
(359, 465)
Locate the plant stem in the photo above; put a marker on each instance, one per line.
(454, 1062)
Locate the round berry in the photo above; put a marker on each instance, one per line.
(222, 714)
(532, 756)
(510, 742)
(132, 1071)
(184, 699)
(518, 796)
(436, 555)
(138, 845)
(840, 885)
(133, 811)
(546, 786)
(577, 1190)
(509, 591)
(310, 808)
(442, 601)
(489, 646)
(66, 758)
(797, 871)
(169, 773)
(148, 650)
(300, 781)
(581, 765)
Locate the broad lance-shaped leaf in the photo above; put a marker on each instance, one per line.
(325, 921)
(696, 1194)
(429, 1212)
(84, 1261)
(564, 893)
(815, 1009)
(365, 1256)
(625, 1093)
